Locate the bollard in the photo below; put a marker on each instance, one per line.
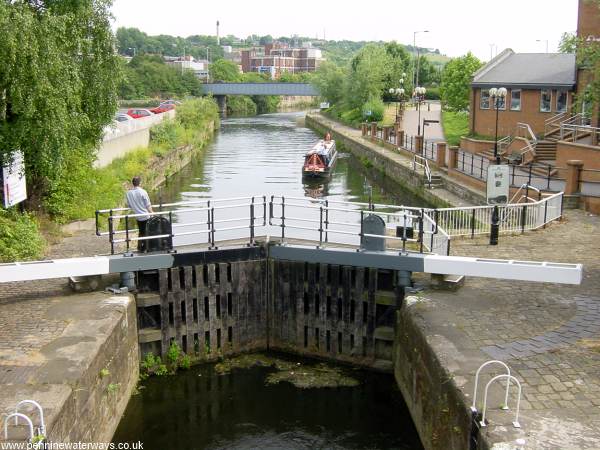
(128, 280)
(495, 228)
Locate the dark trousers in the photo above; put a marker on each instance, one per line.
(142, 245)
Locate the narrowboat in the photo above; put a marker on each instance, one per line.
(319, 160)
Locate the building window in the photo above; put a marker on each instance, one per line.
(546, 100)
(515, 100)
(500, 103)
(561, 101)
(484, 102)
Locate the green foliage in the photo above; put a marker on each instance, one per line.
(129, 39)
(456, 125)
(568, 43)
(152, 365)
(456, 82)
(58, 81)
(148, 76)
(588, 57)
(241, 105)
(81, 190)
(329, 80)
(20, 237)
(375, 107)
(185, 363)
(104, 373)
(113, 387)
(224, 70)
(433, 93)
(266, 103)
(369, 71)
(174, 354)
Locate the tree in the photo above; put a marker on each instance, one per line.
(568, 43)
(224, 70)
(329, 80)
(58, 84)
(369, 70)
(455, 87)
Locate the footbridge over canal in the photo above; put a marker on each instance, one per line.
(221, 90)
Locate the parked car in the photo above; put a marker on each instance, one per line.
(138, 113)
(163, 107)
(170, 102)
(122, 117)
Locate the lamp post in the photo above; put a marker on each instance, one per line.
(416, 66)
(419, 96)
(399, 93)
(497, 95)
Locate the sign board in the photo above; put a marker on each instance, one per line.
(498, 184)
(324, 105)
(13, 180)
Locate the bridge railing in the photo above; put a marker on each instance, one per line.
(328, 222)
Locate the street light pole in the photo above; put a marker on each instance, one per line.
(416, 66)
(419, 97)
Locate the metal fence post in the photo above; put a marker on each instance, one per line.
(320, 225)
(252, 222)
(282, 218)
(97, 223)
(523, 218)
(212, 227)
(127, 233)
(473, 224)
(326, 220)
(171, 233)
(421, 231)
(111, 233)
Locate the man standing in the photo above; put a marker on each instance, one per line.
(139, 202)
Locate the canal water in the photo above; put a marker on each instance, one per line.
(199, 409)
(263, 155)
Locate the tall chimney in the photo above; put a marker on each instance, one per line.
(218, 38)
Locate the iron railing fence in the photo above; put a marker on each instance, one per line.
(542, 176)
(243, 218)
(517, 217)
(320, 220)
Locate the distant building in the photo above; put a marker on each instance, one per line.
(277, 58)
(200, 67)
(539, 86)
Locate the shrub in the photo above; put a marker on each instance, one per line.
(376, 107)
(20, 237)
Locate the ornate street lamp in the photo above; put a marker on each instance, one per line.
(497, 95)
(419, 96)
(399, 93)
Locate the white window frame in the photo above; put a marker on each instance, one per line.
(513, 91)
(558, 92)
(542, 100)
(489, 99)
(501, 107)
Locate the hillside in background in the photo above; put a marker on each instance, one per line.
(134, 41)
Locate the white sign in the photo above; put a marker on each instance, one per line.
(325, 105)
(13, 180)
(498, 185)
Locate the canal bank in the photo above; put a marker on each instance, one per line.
(394, 165)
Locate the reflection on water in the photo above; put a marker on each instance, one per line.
(199, 409)
(264, 155)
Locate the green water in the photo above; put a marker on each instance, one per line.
(199, 409)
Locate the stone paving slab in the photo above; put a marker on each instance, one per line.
(48, 345)
(548, 334)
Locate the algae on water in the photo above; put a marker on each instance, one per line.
(302, 376)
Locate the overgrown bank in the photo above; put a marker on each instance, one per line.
(85, 189)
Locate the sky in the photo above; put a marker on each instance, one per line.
(455, 27)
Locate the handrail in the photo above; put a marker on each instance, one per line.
(326, 217)
(516, 423)
(525, 126)
(422, 162)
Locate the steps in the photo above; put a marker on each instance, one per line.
(545, 150)
(436, 182)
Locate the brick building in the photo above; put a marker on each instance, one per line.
(539, 86)
(276, 58)
(588, 29)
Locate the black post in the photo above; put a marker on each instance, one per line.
(495, 228)
(326, 220)
(127, 233)
(97, 224)
(111, 232)
(252, 222)
(473, 224)
(170, 234)
(523, 218)
(321, 226)
(282, 218)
